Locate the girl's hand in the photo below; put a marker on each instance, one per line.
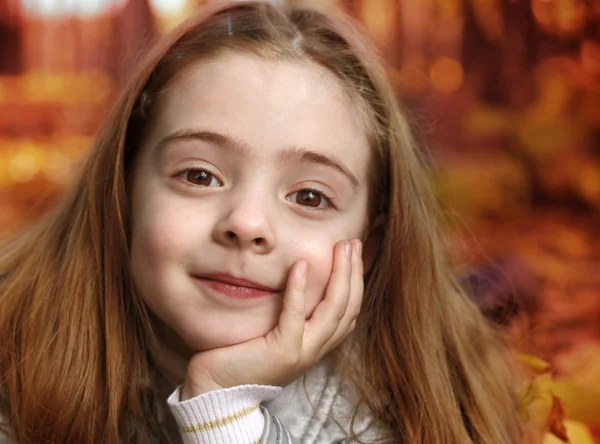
(296, 344)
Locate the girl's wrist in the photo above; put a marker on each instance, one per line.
(191, 389)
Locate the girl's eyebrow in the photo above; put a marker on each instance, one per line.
(290, 155)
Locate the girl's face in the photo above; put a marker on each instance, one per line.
(249, 166)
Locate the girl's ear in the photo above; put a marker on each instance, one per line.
(372, 244)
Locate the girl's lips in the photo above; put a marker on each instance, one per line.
(235, 287)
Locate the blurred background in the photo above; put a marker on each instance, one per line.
(505, 95)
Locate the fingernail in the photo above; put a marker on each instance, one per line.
(348, 248)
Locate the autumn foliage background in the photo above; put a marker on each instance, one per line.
(505, 95)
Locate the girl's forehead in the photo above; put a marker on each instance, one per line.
(292, 78)
(266, 104)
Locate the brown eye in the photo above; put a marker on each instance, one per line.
(200, 178)
(310, 198)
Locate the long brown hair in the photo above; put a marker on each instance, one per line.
(76, 338)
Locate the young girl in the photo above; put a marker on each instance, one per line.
(203, 280)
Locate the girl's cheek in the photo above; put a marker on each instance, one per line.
(156, 240)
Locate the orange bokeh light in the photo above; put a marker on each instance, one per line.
(446, 74)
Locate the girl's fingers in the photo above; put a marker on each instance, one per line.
(357, 283)
(332, 309)
(292, 318)
(347, 324)
(337, 340)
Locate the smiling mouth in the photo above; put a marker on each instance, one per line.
(234, 287)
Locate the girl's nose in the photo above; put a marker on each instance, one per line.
(245, 227)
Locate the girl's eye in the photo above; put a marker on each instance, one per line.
(311, 198)
(200, 178)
